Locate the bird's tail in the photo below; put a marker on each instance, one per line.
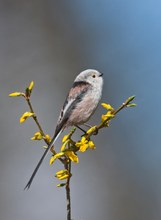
(41, 160)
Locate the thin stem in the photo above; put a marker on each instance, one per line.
(35, 119)
(68, 167)
(40, 128)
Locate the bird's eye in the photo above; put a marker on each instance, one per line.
(93, 75)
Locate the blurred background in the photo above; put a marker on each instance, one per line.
(50, 42)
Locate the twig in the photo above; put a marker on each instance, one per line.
(114, 112)
(68, 167)
(39, 126)
(72, 147)
(35, 119)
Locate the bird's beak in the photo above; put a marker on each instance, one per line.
(101, 74)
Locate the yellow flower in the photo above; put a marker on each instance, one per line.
(107, 106)
(37, 136)
(72, 156)
(25, 116)
(91, 130)
(91, 145)
(65, 138)
(54, 157)
(104, 118)
(15, 94)
(83, 147)
(48, 138)
(64, 145)
(62, 174)
(31, 85)
(107, 116)
(83, 144)
(63, 177)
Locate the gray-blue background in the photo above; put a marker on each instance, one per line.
(50, 42)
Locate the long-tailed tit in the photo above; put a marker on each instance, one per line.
(81, 102)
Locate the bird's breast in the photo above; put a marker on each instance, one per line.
(85, 108)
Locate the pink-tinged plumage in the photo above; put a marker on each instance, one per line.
(81, 113)
(78, 88)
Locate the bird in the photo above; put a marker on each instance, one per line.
(80, 104)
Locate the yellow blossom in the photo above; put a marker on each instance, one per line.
(107, 116)
(92, 129)
(62, 174)
(65, 138)
(37, 136)
(25, 116)
(107, 106)
(31, 85)
(83, 147)
(91, 145)
(63, 177)
(64, 145)
(15, 94)
(83, 144)
(54, 157)
(104, 118)
(48, 138)
(72, 156)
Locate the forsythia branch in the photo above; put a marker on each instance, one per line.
(69, 149)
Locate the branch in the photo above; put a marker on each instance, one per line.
(67, 187)
(104, 124)
(68, 151)
(39, 126)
